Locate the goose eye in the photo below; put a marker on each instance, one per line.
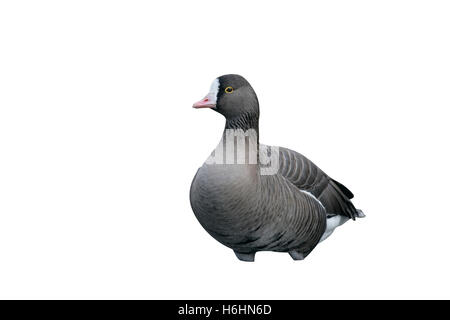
(229, 89)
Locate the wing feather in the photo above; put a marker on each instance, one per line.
(305, 175)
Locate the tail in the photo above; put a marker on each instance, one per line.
(360, 213)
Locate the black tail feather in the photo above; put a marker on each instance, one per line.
(344, 189)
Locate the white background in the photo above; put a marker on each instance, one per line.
(99, 144)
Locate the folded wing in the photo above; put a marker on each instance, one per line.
(306, 176)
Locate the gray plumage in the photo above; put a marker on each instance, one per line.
(286, 211)
(305, 175)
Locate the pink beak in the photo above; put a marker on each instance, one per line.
(206, 102)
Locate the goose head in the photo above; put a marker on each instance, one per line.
(232, 96)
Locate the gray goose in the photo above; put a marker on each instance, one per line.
(251, 197)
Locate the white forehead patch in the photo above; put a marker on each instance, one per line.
(214, 90)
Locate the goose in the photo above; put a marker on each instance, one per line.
(251, 197)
